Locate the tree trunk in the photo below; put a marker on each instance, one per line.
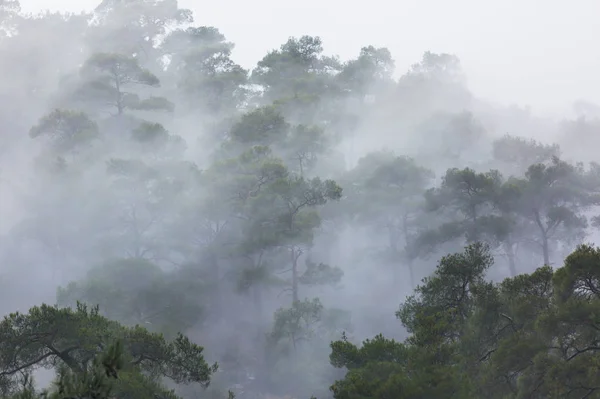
(257, 297)
(544, 235)
(295, 296)
(411, 273)
(510, 254)
(119, 104)
(396, 259)
(546, 250)
(407, 244)
(301, 162)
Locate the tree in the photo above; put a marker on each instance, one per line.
(137, 209)
(553, 197)
(296, 344)
(133, 27)
(293, 221)
(276, 219)
(239, 183)
(284, 219)
(137, 292)
(288, 71)
(529, 336)
(513, 232)
(468, 200)
(451, 137)
(375, 370)
(300, 145)
(104, 377)
(546, 206)
(298, 77)
(372, 69)
(48, 336)
(263, 126)
(304, 146)
(436, 84)
(517, 153)
(154, 140)
(537, 343)
(71, 146)
(582, 129)
(106, 78)
(428, 363)
(97, 380)
(296, 323)
(43, 48)
(207, 76)
(246, 236)
(67, 131)
(386, 191)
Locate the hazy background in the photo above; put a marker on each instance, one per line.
(54, 229)
(529, 52)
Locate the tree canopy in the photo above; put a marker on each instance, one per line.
(530, 336)
(49, 336)
(166, 207)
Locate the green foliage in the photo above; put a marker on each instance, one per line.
(278, 211)
(153, 104)
(135, 291)
(263, 126)
(320, 274)
(536, 212)
(133, 27)
(107, 76)
(304, 145)
(519, 153)
(467, 201)
(445, 299)
(373, 66)
(66, 130)
(296, 324)
(104, 377)
(299, 336)
(150, 133)
(203, 235)
(207, 75)
(385, 191)
(531, 336)
(294, 69)
(553, 199)
(299, 79)
(119, 69)
(49, 336)
(95, 380)
(141, 194)
(153, 138)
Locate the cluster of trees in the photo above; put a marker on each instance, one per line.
(530, 336)
(177, 197)
(537, 212)
(95, 357)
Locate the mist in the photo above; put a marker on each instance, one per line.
(271, 181)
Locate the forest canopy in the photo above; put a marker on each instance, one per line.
(176, 225)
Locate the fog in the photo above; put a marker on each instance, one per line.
(514, 52)
(264, 178)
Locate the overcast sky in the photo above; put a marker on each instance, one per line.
(538, 52)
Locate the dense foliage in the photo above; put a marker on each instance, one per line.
(160, 196)
(530, 336)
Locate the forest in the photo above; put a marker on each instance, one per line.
(174, 225)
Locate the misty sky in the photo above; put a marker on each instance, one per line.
(541, 53)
